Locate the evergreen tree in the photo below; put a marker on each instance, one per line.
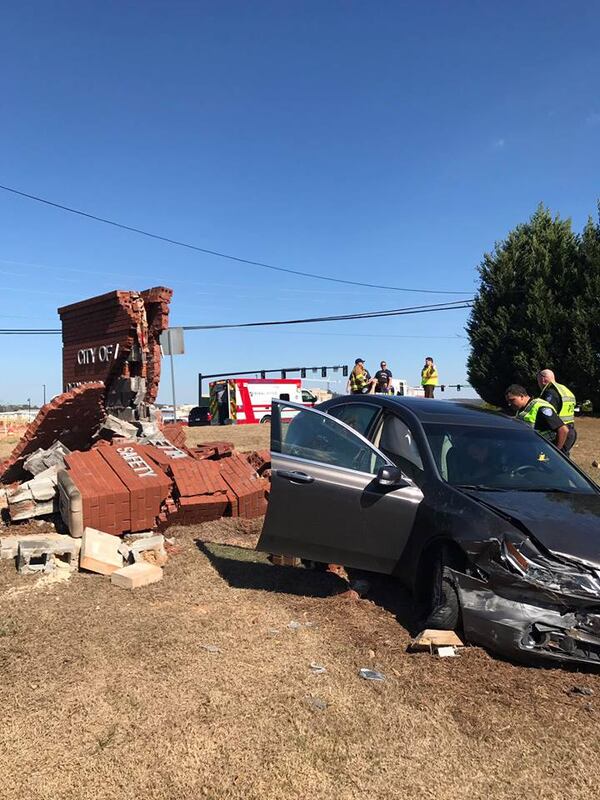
(582, 357)
(522, 319)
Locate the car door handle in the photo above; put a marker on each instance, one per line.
(296, 477)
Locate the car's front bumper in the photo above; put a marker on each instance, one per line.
(525, 631)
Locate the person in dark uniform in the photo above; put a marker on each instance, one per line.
(538, 413)
(383, 377)
(562, 399)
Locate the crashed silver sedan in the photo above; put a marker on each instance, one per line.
(495, 531)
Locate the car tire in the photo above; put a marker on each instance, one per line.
(445, 604)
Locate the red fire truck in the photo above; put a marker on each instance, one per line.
(241, 401)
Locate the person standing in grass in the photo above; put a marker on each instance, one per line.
(429, 377)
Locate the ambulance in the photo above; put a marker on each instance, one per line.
(243, 401)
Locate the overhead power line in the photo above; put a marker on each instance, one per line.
(394, 312)
(217, 253)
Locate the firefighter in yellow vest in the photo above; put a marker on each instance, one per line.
(429, 377)
(538, 413)
(562, 399)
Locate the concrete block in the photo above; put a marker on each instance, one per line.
(100, 552)
(119, 427)
(39, 552)
(150, 549)
(40, 460)
(136, 575)
(9, 547)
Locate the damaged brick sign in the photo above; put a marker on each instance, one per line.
(114, 338)
(99, 455)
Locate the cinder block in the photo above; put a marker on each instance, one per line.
(100, 552)
(152, 547)
(136, 575)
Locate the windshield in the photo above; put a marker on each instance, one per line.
(501, 459)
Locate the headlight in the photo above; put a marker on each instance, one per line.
(525, 559)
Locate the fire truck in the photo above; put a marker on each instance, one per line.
(242, 401)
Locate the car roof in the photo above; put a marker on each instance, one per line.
(463, 412)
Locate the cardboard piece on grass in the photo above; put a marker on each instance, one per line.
(430, 640)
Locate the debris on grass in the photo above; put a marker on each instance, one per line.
(431, 641)
(211, 648)
(580, 691)
(316, 703)
(371, 674)
(317, 669)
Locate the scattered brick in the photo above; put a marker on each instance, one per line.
(248, 488)
(72, 417)
(136, 575)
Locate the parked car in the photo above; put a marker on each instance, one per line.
(490, 526)
(200, 415)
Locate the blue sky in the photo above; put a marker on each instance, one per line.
(386, 142)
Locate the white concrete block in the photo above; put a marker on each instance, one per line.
(100, 552)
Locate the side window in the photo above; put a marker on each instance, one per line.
(316, 437)
(284, 396)
(397, 443)
(357, 415)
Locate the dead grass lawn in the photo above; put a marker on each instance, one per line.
(109, 694)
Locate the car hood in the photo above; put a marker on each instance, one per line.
(565, 524)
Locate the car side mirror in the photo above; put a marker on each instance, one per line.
(390, 476)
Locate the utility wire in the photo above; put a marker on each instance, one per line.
(394, 312)
(218, 254)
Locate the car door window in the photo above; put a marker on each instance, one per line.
(397, 443)
(359, 416)
(317, 437)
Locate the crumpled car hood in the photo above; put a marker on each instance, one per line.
(566, 524)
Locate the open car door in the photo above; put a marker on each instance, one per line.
(326, 501)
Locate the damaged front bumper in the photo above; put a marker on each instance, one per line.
(516, 621)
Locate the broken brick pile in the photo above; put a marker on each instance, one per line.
(98, 453)
(71, 418)
(124, 486)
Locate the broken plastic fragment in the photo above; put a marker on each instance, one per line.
(210, 648)
(447, 651)
(371, 674)
(318, 669)
(293, 625)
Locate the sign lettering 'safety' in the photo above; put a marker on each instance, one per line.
(136, 462)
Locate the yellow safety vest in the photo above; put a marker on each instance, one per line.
(429, 376)
(530, 412)
(567, 409)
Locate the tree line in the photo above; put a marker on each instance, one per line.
(538, 306)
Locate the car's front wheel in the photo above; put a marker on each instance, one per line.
(444, 601)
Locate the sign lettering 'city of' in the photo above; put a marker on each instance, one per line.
(102, 354)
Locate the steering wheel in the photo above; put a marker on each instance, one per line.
(524, 470)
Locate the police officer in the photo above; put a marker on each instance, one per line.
(538, 413)
(562, 400)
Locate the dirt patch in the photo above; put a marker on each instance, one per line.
(244, 437)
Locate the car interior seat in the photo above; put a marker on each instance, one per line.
(396, 442)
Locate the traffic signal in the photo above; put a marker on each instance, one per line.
(283, 374)
(263, 374)
(458, 387)
(345, 371)
(323, 372)
(443, 387)
(303, 373)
